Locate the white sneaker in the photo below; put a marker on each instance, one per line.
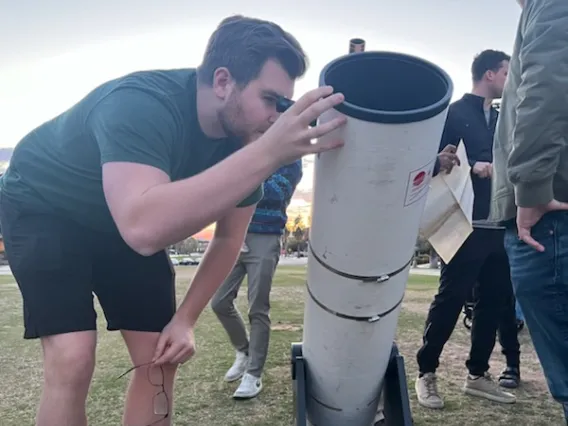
(238, 368)
(249, 388)
(485, 387)
(427, 391)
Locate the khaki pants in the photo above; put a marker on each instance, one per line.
(259, 264)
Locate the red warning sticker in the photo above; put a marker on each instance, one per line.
(418, 183)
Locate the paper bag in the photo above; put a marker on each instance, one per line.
(447, 218)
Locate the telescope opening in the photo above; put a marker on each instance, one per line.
(386, 87)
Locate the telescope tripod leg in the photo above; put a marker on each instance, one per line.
(299, 385)
(395, 389)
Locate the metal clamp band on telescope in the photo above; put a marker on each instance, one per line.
(372, 318)
(377, 278)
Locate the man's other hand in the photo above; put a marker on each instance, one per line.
(176, 344)
(448, 159)
(483, 169)
(527, 217)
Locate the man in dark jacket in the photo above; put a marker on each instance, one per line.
(482, 259)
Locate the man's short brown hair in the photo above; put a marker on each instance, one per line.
(487, 60)
(243, 45)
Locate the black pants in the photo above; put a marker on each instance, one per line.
(481, 263)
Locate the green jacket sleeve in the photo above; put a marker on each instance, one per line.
(540, 131)
(131, 125)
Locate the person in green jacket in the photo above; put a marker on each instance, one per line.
(530, 182)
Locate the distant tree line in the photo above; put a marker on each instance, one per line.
(295, 241)
(296, 235)
(187, 246)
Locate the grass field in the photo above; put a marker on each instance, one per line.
(203, 398)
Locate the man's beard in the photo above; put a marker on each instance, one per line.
(228, 118)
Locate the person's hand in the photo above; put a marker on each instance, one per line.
(176, 344)
(483, 169)
(527, 217)
(289, 138)
(448, 158)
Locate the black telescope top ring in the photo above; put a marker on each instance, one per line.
(388, 87)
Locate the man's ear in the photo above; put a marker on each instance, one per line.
(223, 83)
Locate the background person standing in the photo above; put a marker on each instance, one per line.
(481, 260)
(258, 260)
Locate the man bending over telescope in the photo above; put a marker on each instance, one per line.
(140, 163)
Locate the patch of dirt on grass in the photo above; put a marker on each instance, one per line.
(415, 307)
(288, 294)
(286, 327)
(279, 371)
(417, 301)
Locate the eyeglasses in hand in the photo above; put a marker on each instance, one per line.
(155, 375)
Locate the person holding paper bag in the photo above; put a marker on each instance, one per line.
(481, 260)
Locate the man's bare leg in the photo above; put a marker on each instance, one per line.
(68, 364)
(139, 405)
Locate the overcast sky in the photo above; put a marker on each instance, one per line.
(31, 29)
(52, 52)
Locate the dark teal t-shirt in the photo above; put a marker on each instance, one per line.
(148, 117)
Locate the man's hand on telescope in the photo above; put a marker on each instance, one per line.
(290, 137)
(448, 159)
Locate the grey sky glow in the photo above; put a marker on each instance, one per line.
(52, 52)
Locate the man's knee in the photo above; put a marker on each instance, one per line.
(260, 312)
(69, 359)
(454, 294)
(260, 289)
(259, 300)
(221, 305)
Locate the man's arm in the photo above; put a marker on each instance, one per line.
(449, 137)
(217, 263)
(539, 135)
(135, 133)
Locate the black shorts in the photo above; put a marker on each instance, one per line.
(59, 265)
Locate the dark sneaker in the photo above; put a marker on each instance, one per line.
(510, 378)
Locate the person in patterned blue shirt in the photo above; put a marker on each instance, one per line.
(259, 258)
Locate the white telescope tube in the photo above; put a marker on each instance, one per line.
(368, 200)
